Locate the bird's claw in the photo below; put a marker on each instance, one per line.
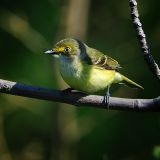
(67, 90)
(106, 97)
(106, 100)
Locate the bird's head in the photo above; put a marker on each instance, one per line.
(66, 48)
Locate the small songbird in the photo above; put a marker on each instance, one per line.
(87, 69)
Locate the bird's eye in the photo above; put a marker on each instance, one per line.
(67, 50)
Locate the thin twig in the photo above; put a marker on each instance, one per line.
(78, 98)
(142, 39)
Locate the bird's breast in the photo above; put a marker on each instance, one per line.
(84, 77)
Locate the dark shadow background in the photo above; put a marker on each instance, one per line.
(39, 130)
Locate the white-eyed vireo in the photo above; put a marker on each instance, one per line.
(87, 69)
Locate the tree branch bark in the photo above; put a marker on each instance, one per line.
(78, 98)
(142, 39)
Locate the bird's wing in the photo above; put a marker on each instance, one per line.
(97, 58)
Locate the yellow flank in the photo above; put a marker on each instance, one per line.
(89, 79)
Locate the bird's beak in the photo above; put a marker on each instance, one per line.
(52, 52)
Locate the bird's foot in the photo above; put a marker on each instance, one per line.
(67, 90)
(106, 97)
(106, 100)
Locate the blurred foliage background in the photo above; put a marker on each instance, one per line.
(33, 129)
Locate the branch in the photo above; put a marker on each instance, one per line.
(142, 39)
(78, 98)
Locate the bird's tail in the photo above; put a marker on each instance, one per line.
(130, 83)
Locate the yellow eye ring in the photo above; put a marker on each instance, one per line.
(67, 50)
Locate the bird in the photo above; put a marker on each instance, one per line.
(87, 69)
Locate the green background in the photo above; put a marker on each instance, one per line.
(33, 129)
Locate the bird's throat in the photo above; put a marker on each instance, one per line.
(71, 70)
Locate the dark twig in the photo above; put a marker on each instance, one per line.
(78, 98)
(142, 39)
